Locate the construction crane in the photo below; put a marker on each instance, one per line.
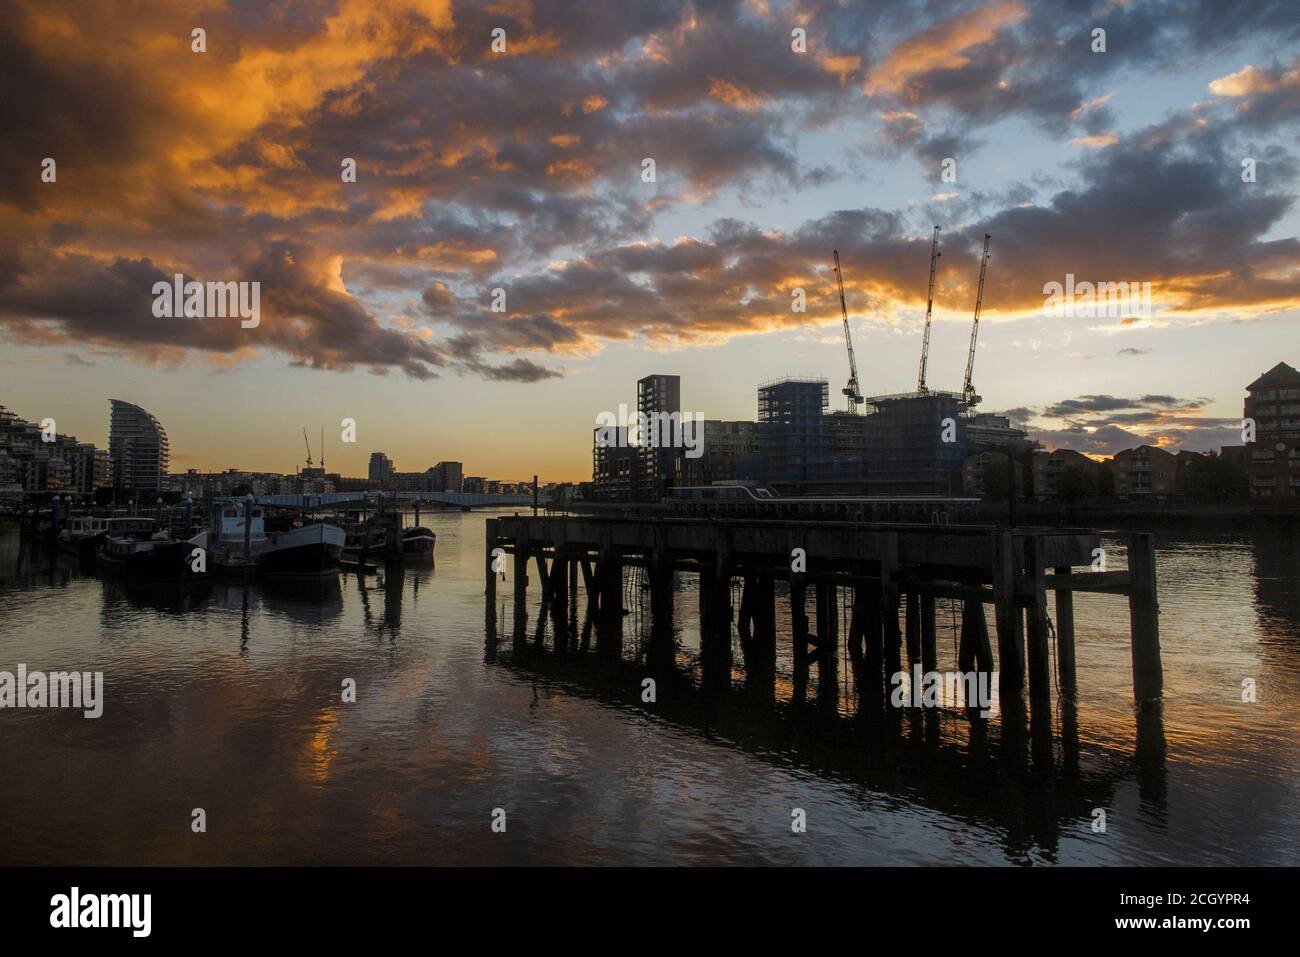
(852, 391)
(967, 389)
(308, 444)
(929, 308)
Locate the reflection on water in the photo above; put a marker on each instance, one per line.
(230, 698)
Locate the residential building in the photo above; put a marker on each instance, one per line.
(615, 466)
(725, 444)
(137, 448)
(789, 433)
(658, 404)
(1146, 472)
(1048, 467)
(1273, 404)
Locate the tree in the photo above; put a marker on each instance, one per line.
(1212, 479)
(1075, 483)
(242, 489)
(1106, 480)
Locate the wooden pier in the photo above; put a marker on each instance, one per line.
(886, 569)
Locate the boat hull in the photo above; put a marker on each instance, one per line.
(310, 552)
(159, 562)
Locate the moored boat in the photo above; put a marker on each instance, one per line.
(157, 558)
(418, 540)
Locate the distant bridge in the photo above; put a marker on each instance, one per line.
(458, 499)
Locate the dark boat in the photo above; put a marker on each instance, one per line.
(307, 551)
(154, 559)
(418, 540)
(362, 539)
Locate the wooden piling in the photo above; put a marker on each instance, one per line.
(1144, 619)
(799, 634)
(521, 590)
(1040, 664)
(1011, 651)
(1065, 670)
(490, 578)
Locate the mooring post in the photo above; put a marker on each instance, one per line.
(1144, 619)
(1040, 663)
(1065, 634)
(1011, 650)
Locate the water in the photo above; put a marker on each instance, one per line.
(229, 699)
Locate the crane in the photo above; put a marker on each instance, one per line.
(929, 307)
(308, 444)
(967, 389)
(852, 391)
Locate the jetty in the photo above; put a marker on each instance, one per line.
(888, 574)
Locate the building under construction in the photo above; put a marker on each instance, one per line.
(911, 443)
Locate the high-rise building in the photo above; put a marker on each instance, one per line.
(659, 402)
(381, 469)
(790, 433)
(1273, 402)
(137, 448)
(446, 477)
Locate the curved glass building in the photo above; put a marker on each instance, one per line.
(137, 447)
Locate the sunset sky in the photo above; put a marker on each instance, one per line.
(522, 171)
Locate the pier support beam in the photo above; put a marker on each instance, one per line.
(490, 585)
(521, 592)
(715, 642)
(1065, 635)
(828, 644)
(1011, 646)
(889, 598)
(799, 634)
(1040, 664)
(1144, 620)
(975, 653)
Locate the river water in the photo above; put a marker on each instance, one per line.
(229, 698)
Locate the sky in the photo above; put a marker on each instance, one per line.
(503, 146)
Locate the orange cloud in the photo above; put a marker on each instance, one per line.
(941, 47)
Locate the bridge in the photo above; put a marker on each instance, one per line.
(373, 499)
